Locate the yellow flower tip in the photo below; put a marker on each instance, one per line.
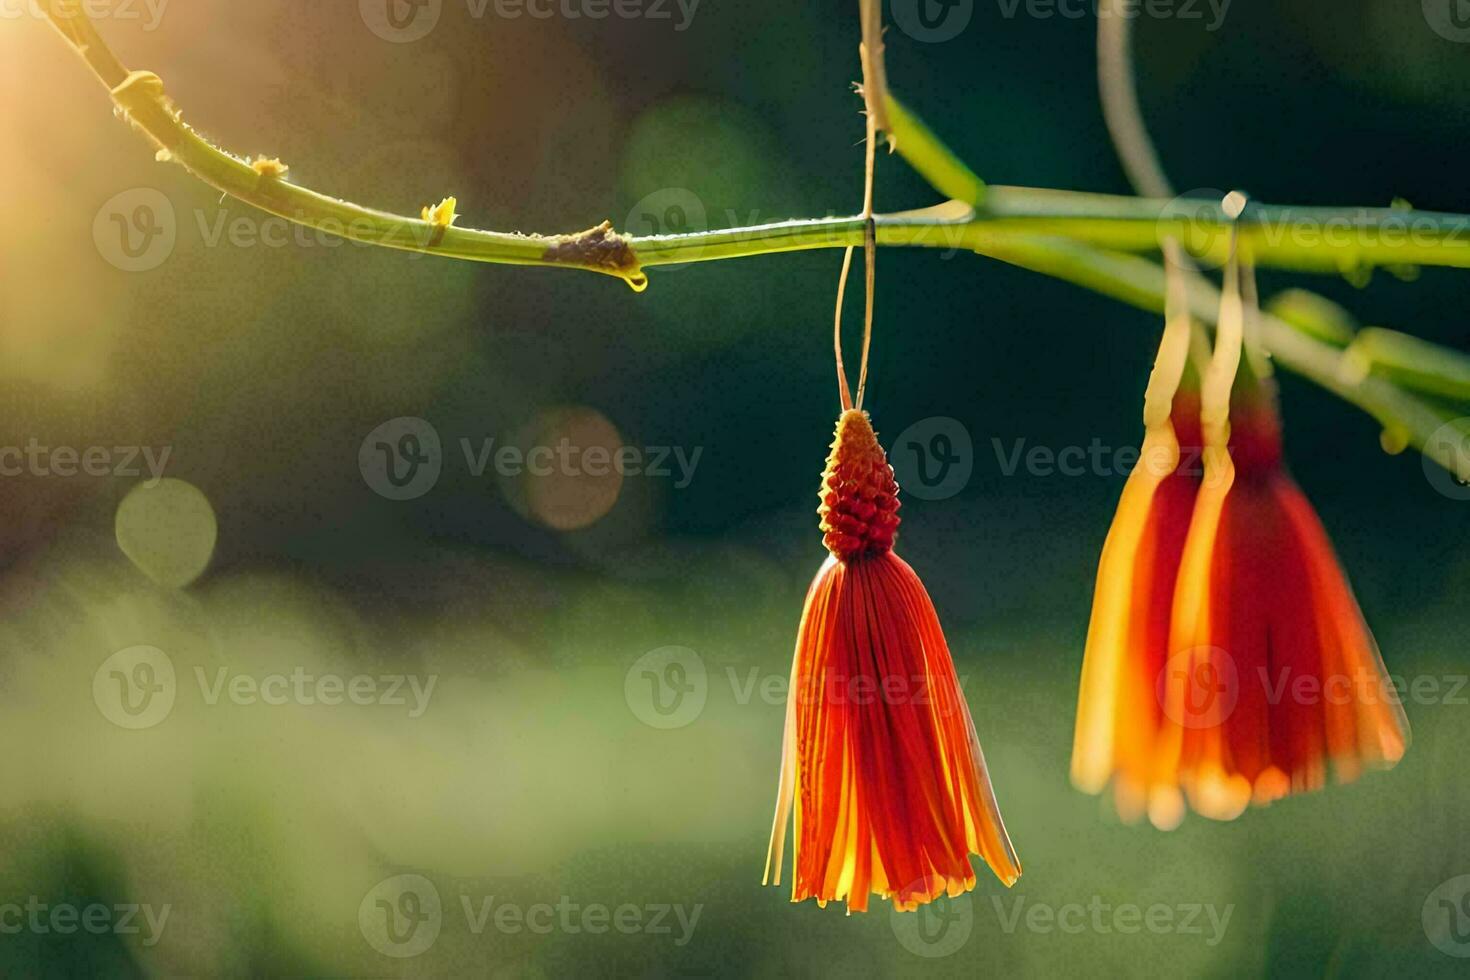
(163, 155)
(1394, 440)
(269, 167)
(1165, 808)
(442, 215)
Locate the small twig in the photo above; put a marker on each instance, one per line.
(875, 71)
(1121, 110)
(875, 94)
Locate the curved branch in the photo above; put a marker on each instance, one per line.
(1120, 105)
(1305, 239)
(1073, 236)
(144, 102)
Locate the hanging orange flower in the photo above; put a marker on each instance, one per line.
(880, 763)
(1227, 661)
(1275, 677)
(1119, 711)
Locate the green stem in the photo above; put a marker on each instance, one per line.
(1405, 417)
(1140, 282)
(1307, 239)
(142, 98)
(1073, 236)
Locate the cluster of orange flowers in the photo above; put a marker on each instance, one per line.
(1217, 595)
(1227, 661)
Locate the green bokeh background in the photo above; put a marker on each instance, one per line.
(531, 776)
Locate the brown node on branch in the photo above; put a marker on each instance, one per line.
(601, 248)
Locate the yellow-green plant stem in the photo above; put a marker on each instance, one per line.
(1140, 282)
(1074, 236)
(143, 100)
(1406, 418)
(1307, 239)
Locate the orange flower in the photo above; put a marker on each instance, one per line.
(1227, 661)
(880, 763)
(1119, 710)
(1275, 676)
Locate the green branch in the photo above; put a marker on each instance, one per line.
(1307, 239)
(1406, 417)
(1078, 237)
(1308, 350)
